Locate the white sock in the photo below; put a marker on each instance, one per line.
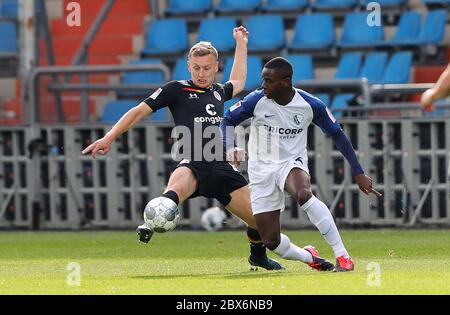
(321, 217)
(288, 250)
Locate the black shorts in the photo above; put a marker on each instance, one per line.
(215, 179)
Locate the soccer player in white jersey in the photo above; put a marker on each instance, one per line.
(278, 160)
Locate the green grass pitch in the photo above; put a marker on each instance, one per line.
(184, 262)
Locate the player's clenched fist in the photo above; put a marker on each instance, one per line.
(240, 34)
(236, 155)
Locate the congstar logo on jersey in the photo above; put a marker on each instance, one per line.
(213, 120)
(283, 131)
(210, 110)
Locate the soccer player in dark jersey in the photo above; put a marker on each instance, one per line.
(197, 107)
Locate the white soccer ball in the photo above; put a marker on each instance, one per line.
(213, 219)
(161, 214)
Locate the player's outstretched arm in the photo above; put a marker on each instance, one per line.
(238, 74)
(127, 121)
(440, 90)
(345, 147)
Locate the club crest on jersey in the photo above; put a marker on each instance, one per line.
(217, 96)
(237, 105)
(209, 109)
(298, 118)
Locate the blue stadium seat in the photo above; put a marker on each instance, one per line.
(335, 4)
(116, 109)
(226, 6)
(284, 5)
(230, 103)
(320, 36)
(349, 66)
(180, 70)
(407, 30)
(218, 31)
(373, 67)
(433, 28)
(161, 35)
(325, 98)
(187, 7)
(141, 77)
(357, 32)
(9, 8)
(267, 33)
(340, 101)
(303, 67)
(254, 69)
(385, 3)
(8, 37)
(399, 68)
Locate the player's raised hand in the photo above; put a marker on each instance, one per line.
(427, 99)
(365, 184)
(236, 155)
(240, 34)
(101, 146)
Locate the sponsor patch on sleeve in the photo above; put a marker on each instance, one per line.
(330, 115)
(237, 105)
(155, 94)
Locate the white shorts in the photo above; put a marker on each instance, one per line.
(267, 184)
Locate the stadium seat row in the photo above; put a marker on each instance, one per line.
(268, 32)
(178, 7)
(351, 66)
(376, 68)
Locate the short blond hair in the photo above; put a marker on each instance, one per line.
(202, 49)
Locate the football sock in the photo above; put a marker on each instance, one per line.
(321, 217)
(257, 247)
(172, 196)
(288, 250)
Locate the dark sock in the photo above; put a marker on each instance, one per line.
(257, 247)
(172, 196)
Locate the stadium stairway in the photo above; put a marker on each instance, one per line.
(114, 43)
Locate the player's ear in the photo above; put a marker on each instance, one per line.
(216, 67)
(189, 66)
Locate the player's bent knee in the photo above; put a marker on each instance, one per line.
(303, 195)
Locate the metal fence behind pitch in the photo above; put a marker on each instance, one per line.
(408, 160)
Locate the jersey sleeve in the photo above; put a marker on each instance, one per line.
(243, 109)
(322, 116)
(228, 90)
(162, 97)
